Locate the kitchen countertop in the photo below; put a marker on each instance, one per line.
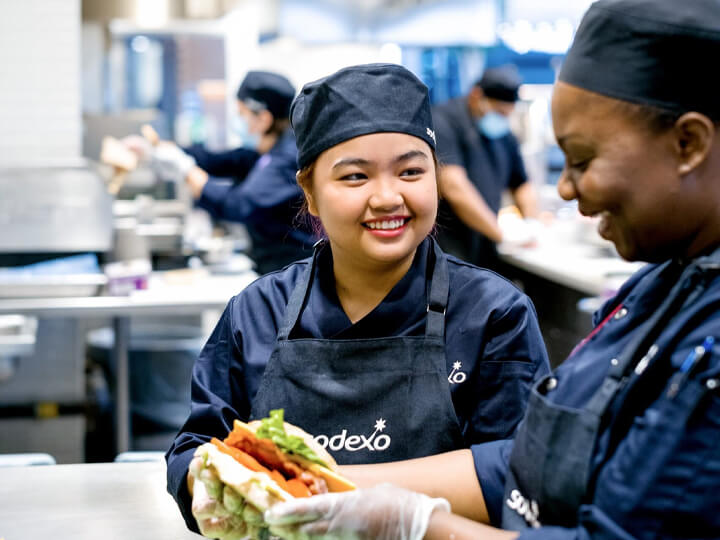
(123, 501)
(590, 267)
(568, 271)
(163, 296)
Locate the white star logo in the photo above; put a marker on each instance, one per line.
(380, 424)
(457, 365)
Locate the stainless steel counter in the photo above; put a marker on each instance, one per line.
(584, 267)
(164, 296)
(123, 501)
(113, 306)
(566, 264)
(212, 292)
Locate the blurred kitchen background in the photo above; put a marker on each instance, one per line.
(109, 288)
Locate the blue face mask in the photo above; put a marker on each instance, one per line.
(241, 128)
(494, 125)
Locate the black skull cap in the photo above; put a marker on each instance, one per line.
(501, 83)
(661, 53)
(269, 91)
(359, 100)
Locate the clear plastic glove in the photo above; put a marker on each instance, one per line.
(516, 231)
(169, 162)
(216, 508)
(139, 145)
(383, 512)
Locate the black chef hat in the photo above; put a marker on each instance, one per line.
(267, 91)
(500, 83)
(359, 100)
(662, 53)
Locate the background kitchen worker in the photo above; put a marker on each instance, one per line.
(480, 159)
(380, 345)
(622, 440)
(263, 194)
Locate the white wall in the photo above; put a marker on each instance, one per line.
(302, 63)
(451, 22)
(39, 82)
(547, 10)
(93, 57)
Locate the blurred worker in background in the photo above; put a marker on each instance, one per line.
(262, 193)
(481, 159)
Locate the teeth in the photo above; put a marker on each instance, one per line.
(388, 224)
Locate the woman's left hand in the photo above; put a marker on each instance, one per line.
(218, 510)
(383, 512)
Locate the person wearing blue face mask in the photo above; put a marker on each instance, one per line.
(241, 128)
(255, 183)
(481, 159)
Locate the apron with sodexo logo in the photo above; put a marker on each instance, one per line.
(366, 400)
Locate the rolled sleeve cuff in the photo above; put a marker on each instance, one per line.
(491, 465)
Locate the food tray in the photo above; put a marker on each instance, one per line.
(34, 286)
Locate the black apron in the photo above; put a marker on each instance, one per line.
(366, 400)
(551, 462)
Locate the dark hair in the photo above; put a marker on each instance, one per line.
(304, 217)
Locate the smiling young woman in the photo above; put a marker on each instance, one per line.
(380, 345)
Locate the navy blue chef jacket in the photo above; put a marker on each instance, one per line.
(265, 197)
(651, 486)
(492, 165)
(491, 328)
(234, 164)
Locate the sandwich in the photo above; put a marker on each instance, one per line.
(262, 463)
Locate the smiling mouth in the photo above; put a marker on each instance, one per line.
(386, 224)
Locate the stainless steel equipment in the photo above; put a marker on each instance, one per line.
(46, 213)
(51, 286)
(155, 226)
(17, 336)
(54, 210)
(17, 339)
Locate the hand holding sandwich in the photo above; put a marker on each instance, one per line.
(213, 518)
(383, 512)
(257, 466)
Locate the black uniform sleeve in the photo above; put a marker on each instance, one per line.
(449, 145)
(270, 184)
(215, 402)
(518, 176)
(491, 465)
(230, 164)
